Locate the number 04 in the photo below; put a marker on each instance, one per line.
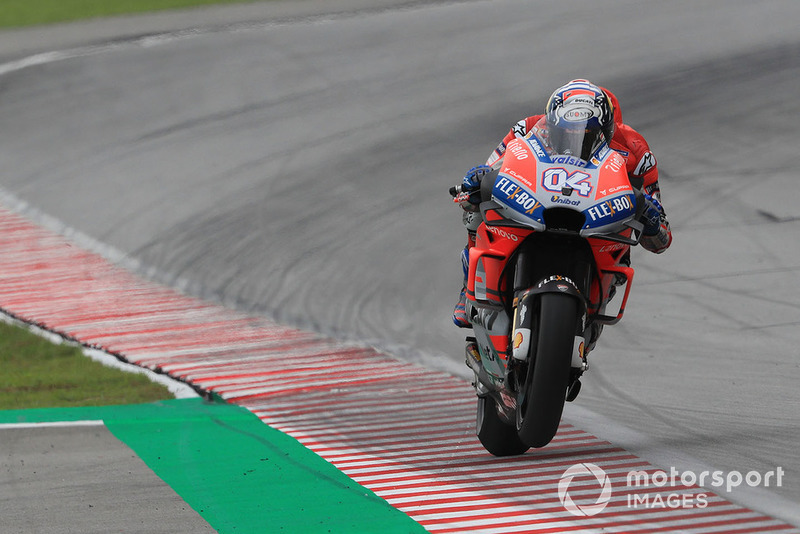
(557, 179)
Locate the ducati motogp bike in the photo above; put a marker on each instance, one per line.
(551, 252)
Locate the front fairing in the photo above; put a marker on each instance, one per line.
(532, 183)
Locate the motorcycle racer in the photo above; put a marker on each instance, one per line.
(580, 119)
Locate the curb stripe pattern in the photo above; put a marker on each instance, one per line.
(403, 431)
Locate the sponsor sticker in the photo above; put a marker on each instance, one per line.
(502, 233)
(504, 187)
(518, 340)
(561, 200)
(647, 163)
(578, 114)
(609, 208)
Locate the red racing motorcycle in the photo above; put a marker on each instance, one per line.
(551, 252)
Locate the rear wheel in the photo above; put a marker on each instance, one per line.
(540, 400)
(497, 436)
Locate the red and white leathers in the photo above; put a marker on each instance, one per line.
(640, 161)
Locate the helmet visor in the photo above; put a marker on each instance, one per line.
(575, 139)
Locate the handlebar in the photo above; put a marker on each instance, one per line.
(456, 190)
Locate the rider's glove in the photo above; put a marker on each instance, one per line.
(472, 182)
(651, 216)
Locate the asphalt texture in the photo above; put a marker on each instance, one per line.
(297, 166)
(80, 478)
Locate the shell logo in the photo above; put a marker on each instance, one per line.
(517, 340)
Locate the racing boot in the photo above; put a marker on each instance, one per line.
(460, 312)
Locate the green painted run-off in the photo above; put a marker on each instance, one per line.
(239, 474)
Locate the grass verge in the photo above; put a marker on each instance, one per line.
(16, 13)
(37, 373)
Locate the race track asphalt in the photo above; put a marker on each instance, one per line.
(77, 477)
(298, 166)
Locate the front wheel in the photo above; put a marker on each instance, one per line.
(540, 401)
